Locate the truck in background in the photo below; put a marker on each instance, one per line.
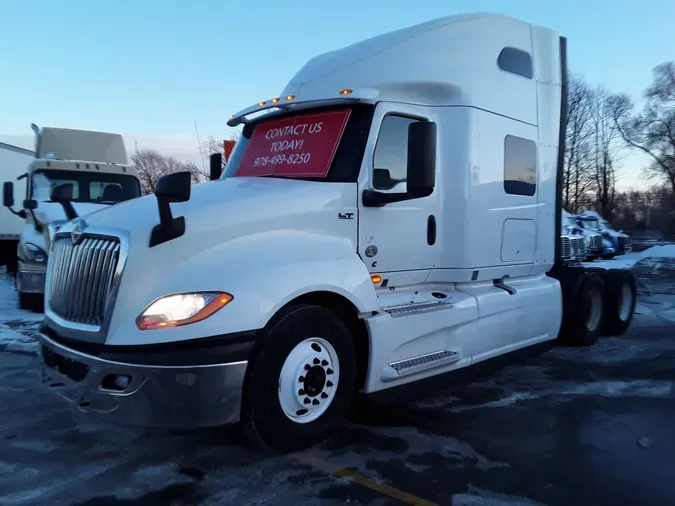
(88, 169)
(593, 245)
(393, 215)
(13, 163)
(615, 240)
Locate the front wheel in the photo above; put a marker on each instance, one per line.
(300, 380)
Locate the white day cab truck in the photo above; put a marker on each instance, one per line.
(393, 215)
(13, 163)
(88, 170)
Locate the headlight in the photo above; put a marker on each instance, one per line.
(34, 254)
(181, 309)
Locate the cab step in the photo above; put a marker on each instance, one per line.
(424, 362)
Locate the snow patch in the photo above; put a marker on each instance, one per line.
(629, 260)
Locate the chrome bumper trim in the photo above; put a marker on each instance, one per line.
(156, 396)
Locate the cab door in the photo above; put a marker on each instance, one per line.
(402, 238)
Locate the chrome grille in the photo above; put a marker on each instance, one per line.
(578, 247)
(80, 277)
(566, 248)
(595, 242)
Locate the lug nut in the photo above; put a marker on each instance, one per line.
(317, 361)
(307, 401)
(329, 383)
(301, 392)
(324, 395)
(301, 379)
(324, 363)
(315, 402)
(329, 371)
(307, 367)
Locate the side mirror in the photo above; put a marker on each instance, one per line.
(421, 170)
(170, 188)
(62, 193)
(216, 166)
(30, 204)
(8, 194)
(174, 187)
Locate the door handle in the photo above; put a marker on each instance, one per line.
(431, 230)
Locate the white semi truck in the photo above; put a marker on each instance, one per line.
(91, 167)
(393, 215)
(13, 163)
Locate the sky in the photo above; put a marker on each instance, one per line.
(151, 69)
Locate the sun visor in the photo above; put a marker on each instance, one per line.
(82, 145)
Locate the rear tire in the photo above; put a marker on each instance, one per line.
(620, 301)
(609, 256)
(291, 411)
(582, 325)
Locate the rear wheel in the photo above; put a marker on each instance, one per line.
(609, 256)
(300, 381)
(620, 301)
(583, 323)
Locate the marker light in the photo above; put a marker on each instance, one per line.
(261, 103)
(275, 100)
(346, 91)
(181, 309)
(290, 97)
(376, 279)
(231, 116)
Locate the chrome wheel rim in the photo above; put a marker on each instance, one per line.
(625, 302)
(309, 380)
(594, 310)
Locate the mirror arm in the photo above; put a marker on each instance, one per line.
(169, 228)
(36, 222)
(373, 198)
(21, 213)
(68, 208)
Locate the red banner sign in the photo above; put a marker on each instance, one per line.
(300, 146)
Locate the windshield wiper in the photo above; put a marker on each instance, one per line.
(107, 202)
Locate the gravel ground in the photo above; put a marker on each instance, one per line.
(570, 427)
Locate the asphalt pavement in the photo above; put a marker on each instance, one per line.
(570, 427)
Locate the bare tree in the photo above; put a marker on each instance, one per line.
(606, 149)
(151, 165)
(213, 145)
(653, 130)
(578, 176)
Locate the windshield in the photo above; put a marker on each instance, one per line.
(590, 224)
(319, 144)
(94, 187)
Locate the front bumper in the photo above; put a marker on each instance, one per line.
(173, 396)
(30, 280)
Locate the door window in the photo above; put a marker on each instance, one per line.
(391, 152)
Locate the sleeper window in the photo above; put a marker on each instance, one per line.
(391, 152)
(520, 166)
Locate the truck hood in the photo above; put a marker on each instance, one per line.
(234, 207)
(48, 212)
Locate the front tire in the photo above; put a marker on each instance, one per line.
(300, 380)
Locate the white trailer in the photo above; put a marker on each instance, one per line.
(13, 163)
(393, 215)
(88, 169)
